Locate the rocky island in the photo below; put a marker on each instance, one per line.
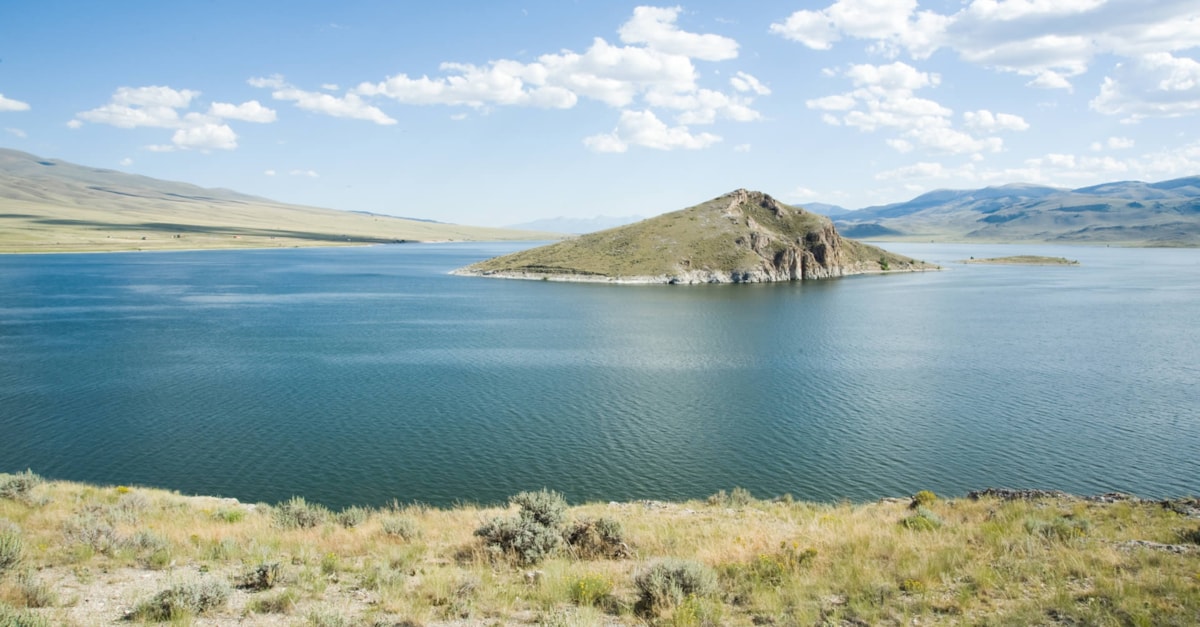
(1024, 260)
(740, 237)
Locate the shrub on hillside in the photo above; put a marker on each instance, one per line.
(17, 486)
(11, 548)
(1062, 529)
(601, 538)
(535, 532)
(401, 526)
(353, 516)
(184, 599)
(667, 583)
(924, 498)
(923, 520)
(297, 513)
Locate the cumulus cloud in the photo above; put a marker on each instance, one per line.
(1050, 41)
(251, 111)
(8, 104)
(653, 68)
(159, 106)
(312, 174)
(643, 128)
(988, 122)
(656, 28)
(349, 106)
(16, 132)
(126, 162)
(1153, 85)
(884, 99)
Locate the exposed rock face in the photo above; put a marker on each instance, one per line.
(740, 237)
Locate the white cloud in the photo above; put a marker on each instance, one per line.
(16, 132)
(350, 106)
(1113, 143)
(250, 111)
(207, 136)
(742, 148)
(1051, 41)
(330, 86)
(159, 106)
(744, 82)
(1153, 85)
(458, 117)
(884, 98)
(652, 69)
(656, 28)
(803, 194)
(988, 122)
(8, 104)
(643, 128)
(126, 162)
(269, 172)
(305, 173)
(921, 169)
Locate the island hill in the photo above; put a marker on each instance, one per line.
(740, 237)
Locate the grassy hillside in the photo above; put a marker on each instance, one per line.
(55, 206)
(73, 554)
(740, 232)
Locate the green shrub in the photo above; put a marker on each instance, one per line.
(10, 617)
(912, 586)
(153, 551)
(352, 516)
(229, 515)
(33, 592)
(534, 534)
(17, 486)
(282, 603)
(11, 548)
(263, 577)
(1190, 535)
(738, 497)
(184, 599)
(884, 265)
(601, 538)
(401, 526)
(297, 513)
(924, 498)
(93, 532)
(923, 520)
(1060, 529)
(591, 590)
(328, 618)
(669, 582)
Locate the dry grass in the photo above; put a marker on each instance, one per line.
(104, 550)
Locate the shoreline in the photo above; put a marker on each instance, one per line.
(700, 278)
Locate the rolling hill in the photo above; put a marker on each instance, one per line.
(1124, 212)
(740, 237)
(47, 205)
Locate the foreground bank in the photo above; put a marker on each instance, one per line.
(75, 554)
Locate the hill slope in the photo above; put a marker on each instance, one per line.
(53, 206)
(740, 237)
(1122, 212)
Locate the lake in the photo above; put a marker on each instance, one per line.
(363, 375)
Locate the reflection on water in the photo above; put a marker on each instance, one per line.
(366, 375)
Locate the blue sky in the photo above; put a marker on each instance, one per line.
(495, 113)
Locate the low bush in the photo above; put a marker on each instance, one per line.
(594, 590)
(353, 516)
(601, 538)
(93, 532)
(297, 513)
(669, 582)
(189, 598)
(401, 526)
(11, 617)
(33, 592)
(924, 498)
(534, 534)
(282, 603)
(923, 520)
(738, 497)
(17, 486)
(262, 577)
(11, 549)
(1060, 529)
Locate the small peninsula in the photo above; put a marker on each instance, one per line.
(1024, 260)
(740, 237)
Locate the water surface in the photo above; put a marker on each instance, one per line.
(362, 375)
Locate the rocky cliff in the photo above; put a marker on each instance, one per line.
(740, 237)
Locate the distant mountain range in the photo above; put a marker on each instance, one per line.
(48, 205)
(575, 226)
(1123, 212)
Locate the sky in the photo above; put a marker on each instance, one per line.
(496, 113)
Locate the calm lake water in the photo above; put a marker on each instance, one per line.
(362, 375)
